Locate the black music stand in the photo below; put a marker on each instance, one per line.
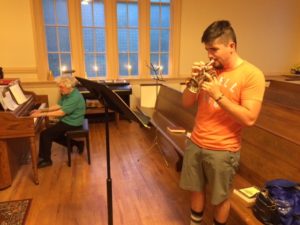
(111, 101)
(156, 75)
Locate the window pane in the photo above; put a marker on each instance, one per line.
(164, 62)
(89, 65)
(86, 14)
(61, 12)
(101, 65)
(51, 39)
(123, 64)
(88, 39)
(64, 41)
(154, 41)
(122, 40)
(99, 13)
(155, 16)
(133, 40)
(165, 40)
(100, 40)
(165, 16)
(54, 63)
(133, 15)
(154, 58)
(65, 62)
(122, 14)
(48, 9)
(134, 64)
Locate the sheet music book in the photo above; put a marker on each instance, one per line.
(8, 102)
(17, 93)
(176, 129)
(248, 201)
(249, 192)
(2, 89)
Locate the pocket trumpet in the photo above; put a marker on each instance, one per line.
(199, 75)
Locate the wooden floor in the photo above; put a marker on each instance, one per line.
(145, 191)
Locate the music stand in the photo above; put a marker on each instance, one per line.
(111, 101)
(157, 77)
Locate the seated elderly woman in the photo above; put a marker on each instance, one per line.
(70, 110)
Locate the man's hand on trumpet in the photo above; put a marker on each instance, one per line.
(198, 75)
(212, 86)
(198, 70)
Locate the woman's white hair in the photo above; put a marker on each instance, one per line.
(66, 81)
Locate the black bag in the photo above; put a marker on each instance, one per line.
(286, 195)
(265, 209)
(278, 203)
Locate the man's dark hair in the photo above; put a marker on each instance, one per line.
(221, 28)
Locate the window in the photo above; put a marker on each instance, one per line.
(128, 37)
(57, 35)
(93, 29)
(160, 34)
(108, 39)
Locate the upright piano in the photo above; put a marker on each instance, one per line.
(17, 138)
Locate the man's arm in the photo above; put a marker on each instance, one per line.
(188, 98)
(246, 113)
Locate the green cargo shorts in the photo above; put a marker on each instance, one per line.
(203, 168)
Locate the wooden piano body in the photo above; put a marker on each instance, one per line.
(17, 138)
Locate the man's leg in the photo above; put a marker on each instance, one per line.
(197, 207)
(220, 176)
(221, 212)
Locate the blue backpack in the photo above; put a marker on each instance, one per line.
(286, 195)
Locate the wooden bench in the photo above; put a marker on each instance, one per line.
(270, 148)
(169, 111)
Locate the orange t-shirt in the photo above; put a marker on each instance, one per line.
(214, 128)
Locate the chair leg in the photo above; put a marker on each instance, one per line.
(69, 150)
(88, 149)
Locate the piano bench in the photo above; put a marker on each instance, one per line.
(79, 133)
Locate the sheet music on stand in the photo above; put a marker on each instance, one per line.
(17, 93)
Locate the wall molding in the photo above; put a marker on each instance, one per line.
(20, 70)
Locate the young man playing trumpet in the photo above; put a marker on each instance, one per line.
(228, 100)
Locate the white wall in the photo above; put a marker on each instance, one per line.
(268, 31)
(17, 46)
